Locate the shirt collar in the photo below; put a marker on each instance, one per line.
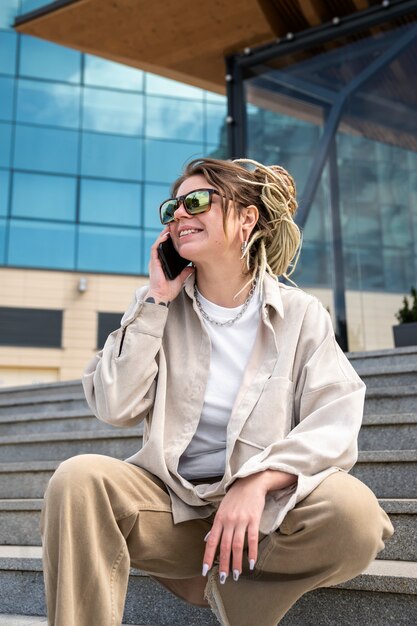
(271, 292)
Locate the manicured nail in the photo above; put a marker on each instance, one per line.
(207, 536)
(223, 577)
(236, 574)
(205, 569)
(251, 564)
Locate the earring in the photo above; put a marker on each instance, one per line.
(243, 248)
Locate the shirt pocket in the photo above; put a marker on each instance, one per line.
(272, 417)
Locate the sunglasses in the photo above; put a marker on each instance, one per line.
(195, 202)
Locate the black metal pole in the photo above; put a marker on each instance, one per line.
(236, 109)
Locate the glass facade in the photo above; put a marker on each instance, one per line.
(88, 149)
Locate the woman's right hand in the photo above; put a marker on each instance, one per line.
(160, 287)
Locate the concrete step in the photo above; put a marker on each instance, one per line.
(389, 473)
(117, 442)
(30, 620)
(396, 431)
(65, 388)
(20, 519)
(384, 595)
(392, 400)
(42, 404)
(23, 424)
(25, 480)
(390, 376)
(363, 361)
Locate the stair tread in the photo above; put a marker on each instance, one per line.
(31, 620)
(392, 456)
(47, 415)
(381, 352)
(116, 433)
(395, 419)
(47, 399)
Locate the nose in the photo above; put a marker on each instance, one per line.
(180, 212)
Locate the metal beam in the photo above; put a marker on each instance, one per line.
(236, 109)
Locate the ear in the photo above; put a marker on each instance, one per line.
(248, 218)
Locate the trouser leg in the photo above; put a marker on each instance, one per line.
(328, 538)
(99, 514)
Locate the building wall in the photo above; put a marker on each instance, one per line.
(59, 290)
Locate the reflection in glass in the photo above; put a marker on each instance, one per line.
(41, 244)
(41, 196)
(102, 73)
(8, 44)
(160, 86)
(105, 249)
(112, 111)
(111, 156)
(164, 160)
(154, 196)
(44, 59)
(216, 128)
(53, 104)
(6, 98)
(4, 191)
(173, 119)
(46, 149)
(3, 227)
(5, 144)
(109, 202)
(8, 11)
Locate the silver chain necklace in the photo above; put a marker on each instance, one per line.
(227, 322)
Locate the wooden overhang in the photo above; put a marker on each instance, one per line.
(186, 40)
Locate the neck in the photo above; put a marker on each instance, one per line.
(220, 288)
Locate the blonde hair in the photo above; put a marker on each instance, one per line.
(275, 243)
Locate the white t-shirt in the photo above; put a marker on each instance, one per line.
(230, 350)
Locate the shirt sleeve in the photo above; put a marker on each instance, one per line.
(119, 382)
(328, 407)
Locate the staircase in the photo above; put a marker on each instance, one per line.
(41, 425)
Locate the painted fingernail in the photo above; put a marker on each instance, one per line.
(236, 574)
(207, 536)
(251, 564)
(223, 577)
(205, 569)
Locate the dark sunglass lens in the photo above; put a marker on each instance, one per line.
(197, 201)
(168, 209)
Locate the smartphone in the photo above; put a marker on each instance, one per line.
(172, 262)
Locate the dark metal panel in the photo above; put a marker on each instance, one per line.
(31, 328)
(50, 7)
(236, 109)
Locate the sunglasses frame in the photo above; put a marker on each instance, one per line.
(181, 200)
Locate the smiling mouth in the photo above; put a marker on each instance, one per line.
(188, 231)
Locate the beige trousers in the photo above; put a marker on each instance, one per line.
(102, 515)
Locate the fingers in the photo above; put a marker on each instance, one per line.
(230, 542)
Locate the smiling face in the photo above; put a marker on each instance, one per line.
(202, 238)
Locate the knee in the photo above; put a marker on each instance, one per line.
(356, 522)
(75, 474)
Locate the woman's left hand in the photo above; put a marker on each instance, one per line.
(239, 514)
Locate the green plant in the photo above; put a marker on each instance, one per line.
(407, 314)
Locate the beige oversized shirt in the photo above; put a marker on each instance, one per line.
(299, 408)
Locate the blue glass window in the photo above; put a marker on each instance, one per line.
(48, 60)
(165, 160)
(5, 144)
(111, 156)
(108, 202)
(113, 111)
(115, 250)
(48, 103)
(6, 98)
(160, 86)
(7, 52)
(102, 73)
(4, 191)
(8, 11)
(149, 240)
(41, 244)
(46, 149)
(47, 197)
(215, 97)
(173, 119)
(154, 196)
(216, 128)
(3, 226)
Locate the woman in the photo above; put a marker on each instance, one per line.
(240, 496)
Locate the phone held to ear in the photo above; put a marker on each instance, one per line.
(172, 262)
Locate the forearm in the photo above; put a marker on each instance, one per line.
(270, 480)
